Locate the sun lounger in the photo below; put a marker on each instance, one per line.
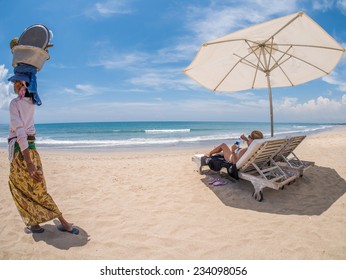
(258, 167)
(199, 159)
(286, 155)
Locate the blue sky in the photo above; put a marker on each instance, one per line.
(122, 60)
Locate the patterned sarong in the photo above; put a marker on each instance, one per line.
(34, 204)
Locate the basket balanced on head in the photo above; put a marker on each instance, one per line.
(30, 52)
(32, 46)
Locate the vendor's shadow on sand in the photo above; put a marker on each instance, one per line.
(312, 194)
(61, 240)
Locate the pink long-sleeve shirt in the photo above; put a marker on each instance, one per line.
(22, 120)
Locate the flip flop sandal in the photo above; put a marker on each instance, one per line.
(213, 181)
(30, 230)
(219, 183)
(73, 231)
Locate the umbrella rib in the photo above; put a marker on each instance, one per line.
(307, 62)
(242, 60)
(287, 24)
(223, 41)
(271, 52)
(285, 75)
(263, 51)
(258, 62)
(296, 45)
(255, 76)
(313, 46)
(279, 65)
(254, 52)
(277, 62)
(248, 63)
(229, 72)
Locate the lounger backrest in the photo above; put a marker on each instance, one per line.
(292, 144)
(260, 152)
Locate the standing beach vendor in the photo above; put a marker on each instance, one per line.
(26, 181)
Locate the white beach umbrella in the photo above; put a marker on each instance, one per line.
(286, 51)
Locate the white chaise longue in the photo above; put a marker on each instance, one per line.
(268, 163)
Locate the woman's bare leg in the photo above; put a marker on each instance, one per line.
(65, 224)
(221, 148)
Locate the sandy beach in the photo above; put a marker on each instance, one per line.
(155, 205)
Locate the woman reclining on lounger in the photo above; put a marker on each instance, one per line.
(235, 153)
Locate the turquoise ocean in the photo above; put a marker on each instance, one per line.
(152, 135)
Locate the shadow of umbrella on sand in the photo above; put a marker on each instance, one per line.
(286, 51)
(311, 195)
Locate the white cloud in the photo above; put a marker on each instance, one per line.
(3, 72)
(218, 20)
(176, 53)
(143, 67)
(86, 90)
(343, 99)
(322, 5)
(321, 104)
(321, 109)
(325, 5)
(122, 60)
(105, 55)
(163, 79)
(206, 108)
(334, 79)
(289, 102)
(244, 95)
(341, 4)
(6, 88)
(202, 23)
(109, 8)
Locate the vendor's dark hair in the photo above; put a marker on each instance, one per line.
(29, 94)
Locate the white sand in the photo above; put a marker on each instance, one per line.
(156, 206)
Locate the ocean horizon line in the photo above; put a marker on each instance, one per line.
(114, 135)
(184, 121)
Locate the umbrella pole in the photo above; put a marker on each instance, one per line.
(271, 105)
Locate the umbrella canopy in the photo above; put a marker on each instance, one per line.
(286, 51)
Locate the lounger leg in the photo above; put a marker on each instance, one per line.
(257, 194)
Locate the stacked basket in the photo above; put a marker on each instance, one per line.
(32, 46)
